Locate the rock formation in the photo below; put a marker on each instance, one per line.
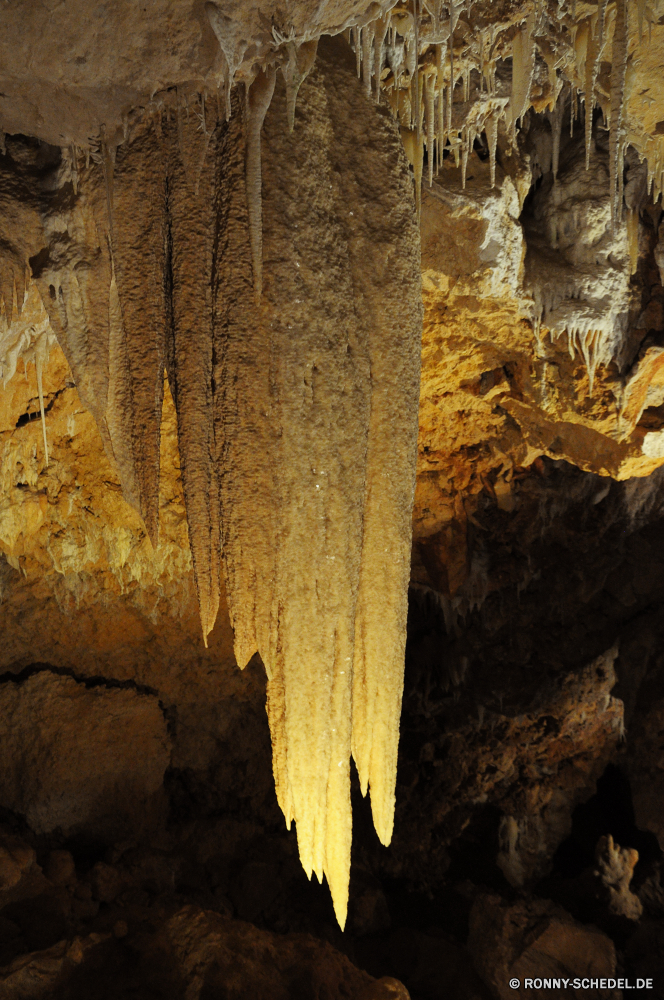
(238, 245)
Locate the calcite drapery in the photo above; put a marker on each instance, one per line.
(297, 405)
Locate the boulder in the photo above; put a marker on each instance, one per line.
(78, 757)
(534, 939)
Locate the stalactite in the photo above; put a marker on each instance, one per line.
(79, 309)
(299, 63)
(381, 26)
(491, 127)
(430, 116)
(119, 410)
(233, 44)
(205, 144)
(317, 387)
(189, 356)
(139, 317)
(618, 68)
(413, 148)
(367, 55)
(415, 73)
(465, 152)
(523, 68)
(29, 338)
(450, 97)
(441, 52)
(633, 239)
(40, 390)
(73, 153)
(641, 11)
(357, 34)
(594, 51)
(7, 290)
(108, 165)
(556, 122)
(257, 102)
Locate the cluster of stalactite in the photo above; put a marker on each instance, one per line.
(284, 304)
(441, 65)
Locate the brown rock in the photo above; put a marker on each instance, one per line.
(644, 762)
(60, 868)
(615, 868)
(645, 951)
(106, 882)
(79, 756)
(430, 961)
(35, 976)
(218, 956)
(10, 870)
(534, 939)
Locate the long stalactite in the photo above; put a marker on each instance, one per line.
(328, 390)
(261, 247)
(275, 274)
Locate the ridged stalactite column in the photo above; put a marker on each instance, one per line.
(320, 432)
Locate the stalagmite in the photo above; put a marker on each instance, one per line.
(257, 102)
(618, 68)
(491, 127)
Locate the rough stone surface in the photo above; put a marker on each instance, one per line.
(193, 954)
(534, 940)
(80, 757)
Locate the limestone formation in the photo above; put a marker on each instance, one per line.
(238, 244)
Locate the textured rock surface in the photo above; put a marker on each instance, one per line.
(193, 954)
(533, 940)
(80, 757)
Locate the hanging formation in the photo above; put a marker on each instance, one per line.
(275, 275)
